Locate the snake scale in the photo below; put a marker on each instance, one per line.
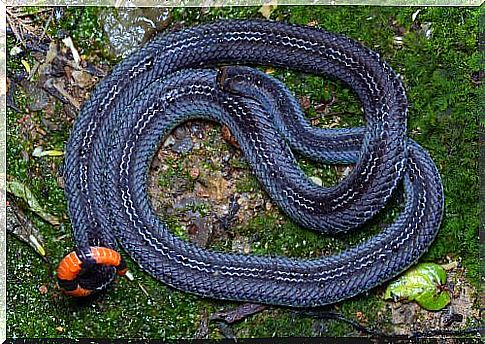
(195, 73)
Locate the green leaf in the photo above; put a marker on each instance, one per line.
(422, 284)
(433, 301)
(26, 66)
(22, 191)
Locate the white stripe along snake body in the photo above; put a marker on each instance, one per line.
(175, 78)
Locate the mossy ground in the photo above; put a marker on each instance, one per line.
(440, 71)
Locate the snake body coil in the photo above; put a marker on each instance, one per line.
(162, 85)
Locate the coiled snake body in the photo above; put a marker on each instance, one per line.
(175, 78)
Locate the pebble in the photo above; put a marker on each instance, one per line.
(183, 146)
(43, 289)
(194, 172)
(83, 79)
(316, 180)
(38, 98)
(169, 141)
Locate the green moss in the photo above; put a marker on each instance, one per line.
(138, 315)
(275, 323)
(174, 168)
(248, 183)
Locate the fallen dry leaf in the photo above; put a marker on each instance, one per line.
(228, 137)
(22, 191)
(239, 313)
(75, 54)
(217, 186)
(304, 102)
(83, 79)
(267, 9)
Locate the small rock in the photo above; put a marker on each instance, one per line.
(304, 102)
(43, 289)
(38, 98)
(316, 180)
(126, 30)
(180, 133)
(169, 141)
(60, 182)
(347, 171)
(50, 125)
(427, 30)
(218, 187)
(200, 231)
(343, 170)
(361, 316)
(183, 146)
(449, 319)
(404, 313)
(268, 206)
(83, 79)
(15, 51)
(200, 190)
(241, 245)
(183, 202)
(194, 173)
(180, 141)
(25, 155)
(203, 329)
(156, 163)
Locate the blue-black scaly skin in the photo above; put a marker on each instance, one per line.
(162, 85)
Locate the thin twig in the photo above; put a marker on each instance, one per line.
(42, 10)
(341, 317)
(17, 25)
(46, 26)
(14, 28)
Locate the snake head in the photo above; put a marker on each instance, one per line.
(240, 80)
(86, 271)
